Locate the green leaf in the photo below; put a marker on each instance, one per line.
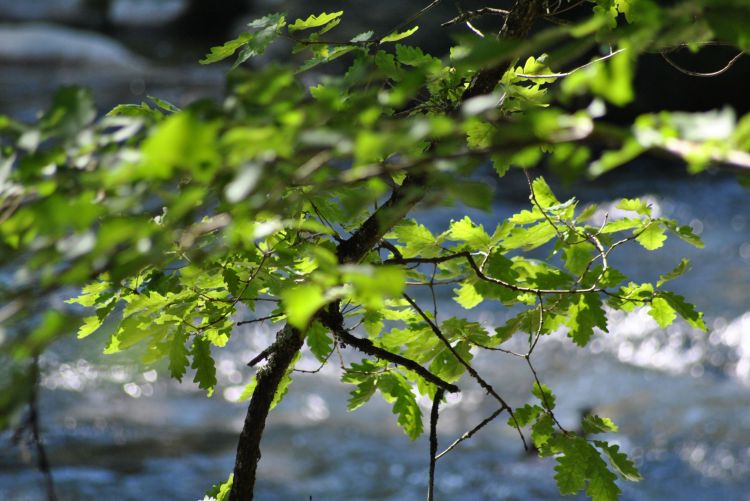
(466, 231)
(262, 32)
(395, 37)
(662, 312)
(542, 431)
(89, 326)
(686, 310)
(129, 333)
(418, 240)
(685, 233)
(90, 294)
(652, 237)
(543, 194)
(585, 314)
(362, 393)
(373, 322)
(248, 391)
(526, 321)
(319, 341)
(221, 492)
(602, 486)
(479, 134)
(301, 302)
(178, 355)
(286, 380)
(529, 238)
(501, 164)
(413, 56)
(72, 110)
(629, 150)
(678, 271)
(545, 395)
(524, 415)
(314, 21)
(226, 50)
(446, 366)
(596, 424)
(363, 37)
(203, 363)
(472, 194)
(467, 296)
(397, 391)
(372, 285)
(571, 468)
(387, 64)
(578, 256)
(580, 464)
(218, 337)
(164, 105)
(636, 205)
(621, 225)
(182, 140)
(620, 461)
(460, 328)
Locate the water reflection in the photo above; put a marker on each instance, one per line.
(117, 430)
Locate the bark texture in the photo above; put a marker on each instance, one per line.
(289, 342)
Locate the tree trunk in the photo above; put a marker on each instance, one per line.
(289, 342)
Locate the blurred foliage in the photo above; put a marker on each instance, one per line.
(169, 221)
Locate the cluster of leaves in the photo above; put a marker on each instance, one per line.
(174, 220)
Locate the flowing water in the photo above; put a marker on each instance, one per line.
(115, 430)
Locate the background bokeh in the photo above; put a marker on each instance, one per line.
(117, 430)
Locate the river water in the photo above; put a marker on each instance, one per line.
(115, 430)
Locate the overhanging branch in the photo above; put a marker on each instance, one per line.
(334, 321)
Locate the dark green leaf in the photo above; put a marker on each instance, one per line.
(203, 363)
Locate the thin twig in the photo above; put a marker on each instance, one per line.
(36, 434)
(322, 364)
(546, 405)
(412, 18)
(326, 222)
(481, 275)
(471, 14)
(237, 299)
(568, 8)
(469, 368)
(434, 414)
(470, 433)
(437, 282)
(539, 328)
(701, 74)
(432, 292)
(568, 73)
(261, 319)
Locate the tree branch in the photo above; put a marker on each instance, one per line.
(333, 319)
(290, 340)
(517, 25)
(402, 200)
(472, 14)
(470, 433)
(36, 434)
(434, 414)
(469, 368)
